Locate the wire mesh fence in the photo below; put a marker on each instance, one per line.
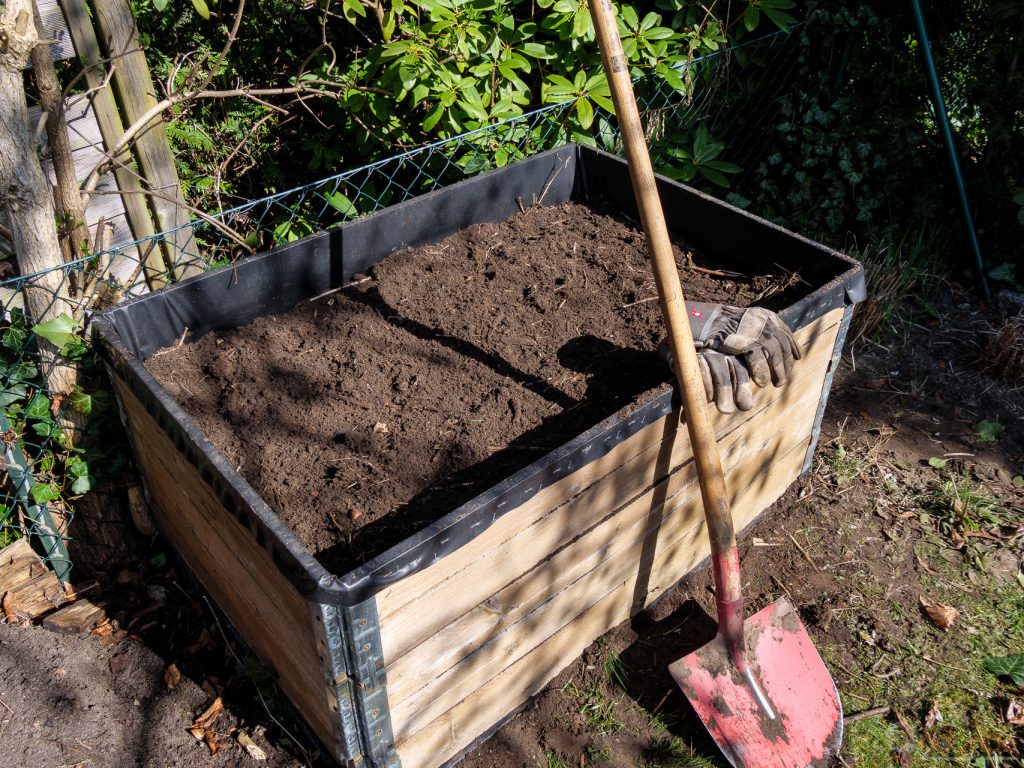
(50, 462)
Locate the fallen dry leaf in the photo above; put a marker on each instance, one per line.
(934, 716)
(213, 742)
(57, 401)
(1015, 712)
(254, 749)
(172, 676)
(203, 643)
(380, 428)
(205, 720)
(943, 616)
(10, 608)
(202, 726)
(103, 629)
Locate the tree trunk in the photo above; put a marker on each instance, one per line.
(25, 193)
(74, 234)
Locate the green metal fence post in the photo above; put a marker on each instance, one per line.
(947, 136)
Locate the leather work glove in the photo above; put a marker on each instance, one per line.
(754, 334)
(732, 343)
(726, 379)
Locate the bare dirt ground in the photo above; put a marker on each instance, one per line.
(908, 498)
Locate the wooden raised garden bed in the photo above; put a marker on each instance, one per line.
(413, 655)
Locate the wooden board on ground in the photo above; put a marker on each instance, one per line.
(78, 618)
(28, 588)
(19, 564)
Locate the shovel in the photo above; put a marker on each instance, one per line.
(760, 687)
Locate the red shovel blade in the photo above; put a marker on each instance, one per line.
(807, 726)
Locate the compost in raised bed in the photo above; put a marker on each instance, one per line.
(364, 414)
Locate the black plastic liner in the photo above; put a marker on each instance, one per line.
(274, 282)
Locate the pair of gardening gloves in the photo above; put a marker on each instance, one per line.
(737, 346)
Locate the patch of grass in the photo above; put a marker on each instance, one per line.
(894, 271)
(842, 465)
(660, 722)
(676, 753)
(596, 706)
(962, 506)
(615, 669)
(596, 754)
(554, 760)
(874, 742)
(946, 671)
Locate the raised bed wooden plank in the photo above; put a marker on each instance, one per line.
(238, 573)
(409, 615)
(455, 730)
(437, 658)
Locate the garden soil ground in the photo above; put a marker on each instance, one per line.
(854, 545)
(445, 371)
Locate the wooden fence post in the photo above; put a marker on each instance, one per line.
(133, 88)
(137, 211)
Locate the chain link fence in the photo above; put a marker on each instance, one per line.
(47, 472)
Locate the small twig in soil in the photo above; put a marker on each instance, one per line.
(784, 589)
(804, 552)
(547, 186)
(519, 202)
(707, 270)
(339, 526)
(641, 301)
(867, 713)
(930, 660)
(6, 706)
(181, 340)
(904, 725)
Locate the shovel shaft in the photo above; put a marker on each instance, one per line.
(725, 559)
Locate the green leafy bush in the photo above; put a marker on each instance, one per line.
(408, 72)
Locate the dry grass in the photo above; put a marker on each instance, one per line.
(1004, 352)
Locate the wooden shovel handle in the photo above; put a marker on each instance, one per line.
(670, 292)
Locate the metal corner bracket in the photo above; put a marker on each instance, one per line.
(356, 662)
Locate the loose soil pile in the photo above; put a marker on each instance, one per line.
(363, 415)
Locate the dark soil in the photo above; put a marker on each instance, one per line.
(446, 370)
(76, 701)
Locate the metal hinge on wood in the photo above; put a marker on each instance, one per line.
(360, 682)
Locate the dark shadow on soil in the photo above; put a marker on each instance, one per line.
(617, 377)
